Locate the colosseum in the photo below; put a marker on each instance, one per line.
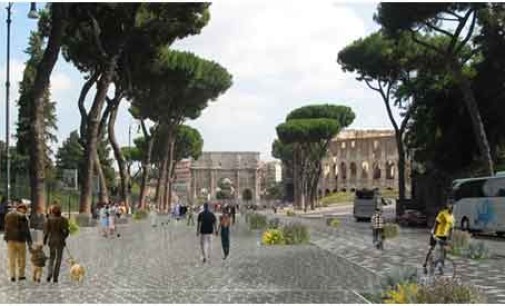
(361, 159)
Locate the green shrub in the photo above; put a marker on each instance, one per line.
(257, 221)
(460, 242)
(449, 291)
(274, 223)
(140, 214)
(273, 237)
(290, 213)
(391, 230)
(73, 227)
(333, 222)
(476, 250)
(399, 275)
(295, 233)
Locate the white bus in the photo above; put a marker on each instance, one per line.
(480, 204)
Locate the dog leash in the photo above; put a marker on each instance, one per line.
(68, 252)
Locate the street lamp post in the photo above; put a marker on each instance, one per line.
(32, 15)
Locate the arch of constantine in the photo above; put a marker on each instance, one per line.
(240, 168)
(360, 159)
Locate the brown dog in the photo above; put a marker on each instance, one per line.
(77, 271)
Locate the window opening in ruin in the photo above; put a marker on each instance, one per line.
(376, 171)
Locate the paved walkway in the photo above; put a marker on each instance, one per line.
(162, 265)
(353, 241)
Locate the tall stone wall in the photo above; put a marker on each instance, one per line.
(360, 159)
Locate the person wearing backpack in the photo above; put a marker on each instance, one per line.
(56, 232)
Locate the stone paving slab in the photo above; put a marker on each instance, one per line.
(355, 244)
(162, 265)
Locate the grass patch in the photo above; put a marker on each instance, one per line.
(338, 197)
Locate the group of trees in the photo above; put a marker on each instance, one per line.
(303, 142)
(440, 64)
(124, 47)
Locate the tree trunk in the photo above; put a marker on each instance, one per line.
(165, 182)
(171, 166)
(145, 173)
(92, 130)
(162, 183)
(103, 194)
(40, 86)
(401, 173)
(476, 119)
(121, 162)
(296, 180)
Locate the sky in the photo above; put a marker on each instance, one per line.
(282, 55)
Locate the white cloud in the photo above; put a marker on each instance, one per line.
(282, 55)
(60, 82)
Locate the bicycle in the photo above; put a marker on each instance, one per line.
(438, 263)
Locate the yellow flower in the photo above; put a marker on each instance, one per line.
(403, 294)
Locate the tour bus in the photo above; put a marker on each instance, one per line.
(480, 204)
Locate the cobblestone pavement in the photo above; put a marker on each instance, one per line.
(162, 265)
(353, 241)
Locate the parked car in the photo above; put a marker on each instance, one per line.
(412, 217)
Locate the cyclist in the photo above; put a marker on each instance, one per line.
(378, 228)
(442, 230)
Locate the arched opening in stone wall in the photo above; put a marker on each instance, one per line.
(365, 168)
(354, 171)
(390, 170)
(327, 192)
(343, 170)
(376, 171)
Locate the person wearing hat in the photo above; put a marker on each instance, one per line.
(17, 235)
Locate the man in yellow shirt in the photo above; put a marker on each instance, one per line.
(442, 231)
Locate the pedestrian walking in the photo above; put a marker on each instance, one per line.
(191, 219)
(38, 260)
(224, 230)
(3, 212)
(112, 220)
(17, 235)
(378, 229)
(55, 235)
(233, 211)
(104, 220)
(206, 225)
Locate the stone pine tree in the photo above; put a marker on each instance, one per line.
(310, 129)
(98, 38)
(176, 87)
(386, 66)
(457, 22)
(38, 94)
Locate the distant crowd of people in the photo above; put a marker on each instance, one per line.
(107, 214)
